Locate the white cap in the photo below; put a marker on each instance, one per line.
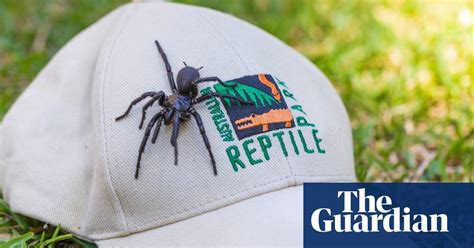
(66, 160)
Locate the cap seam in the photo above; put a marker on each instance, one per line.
(106, 69)
(227, 41)
(208, 202)
(292, 175)
(231, 195)
(248, 71)
(201, 205)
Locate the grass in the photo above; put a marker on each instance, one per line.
(404, 70)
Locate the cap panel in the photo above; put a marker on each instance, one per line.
(333, 157)
(79, 166)
(105, 217)
(50, 150)
(270, 220)
(324, 148)
(165, 193)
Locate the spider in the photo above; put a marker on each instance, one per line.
(177, 107)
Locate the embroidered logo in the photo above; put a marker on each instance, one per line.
(268, 112)
(274, 121)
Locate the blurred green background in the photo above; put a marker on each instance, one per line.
(404, 69)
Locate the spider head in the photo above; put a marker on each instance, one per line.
(185, 79)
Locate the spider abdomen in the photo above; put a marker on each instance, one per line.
(182, 103)
(176, 108)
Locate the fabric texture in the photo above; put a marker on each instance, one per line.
(234, 226)
(61, 147)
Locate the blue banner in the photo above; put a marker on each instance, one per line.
(389, 215)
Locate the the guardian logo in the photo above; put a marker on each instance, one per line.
(374, 215)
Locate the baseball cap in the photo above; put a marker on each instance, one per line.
(66, 159)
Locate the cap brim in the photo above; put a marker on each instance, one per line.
(272, 219)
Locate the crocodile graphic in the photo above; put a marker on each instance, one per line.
(268, 110)
(264, 120)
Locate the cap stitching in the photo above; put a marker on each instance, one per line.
(209, 201)
(243, 62)
(231, 195)
(237, 193)
(291, 171)
(228, 42)
(108, 178)
(215, 200)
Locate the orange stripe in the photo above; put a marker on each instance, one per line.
(269, 84)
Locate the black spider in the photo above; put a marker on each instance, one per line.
(177, 107)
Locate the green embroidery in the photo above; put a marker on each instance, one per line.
(255, 150)
(281, 83)
(206, 91)
(305, 147)
(233, 154)
(318, 141)
(299, 108)
(218, 116)
(288, 94)
(302, 122)
(279, 135)
(295, 148)
(265, 144)
(250, 151)
(248, 93)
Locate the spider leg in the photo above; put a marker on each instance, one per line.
(158, 96)
(169, 71)
(157, 130)
(145, 139)
(174, 136)
(210, 79)
(215, 94)
(137, 100)
(204, 137)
